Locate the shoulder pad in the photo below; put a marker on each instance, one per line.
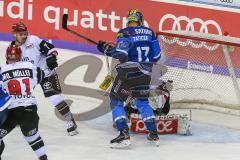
(123, 45)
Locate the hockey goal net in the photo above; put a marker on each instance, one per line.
(205, 68)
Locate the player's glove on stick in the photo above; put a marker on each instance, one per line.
(104, 47)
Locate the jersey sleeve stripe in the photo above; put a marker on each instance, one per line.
(123, 51)
(156, 57)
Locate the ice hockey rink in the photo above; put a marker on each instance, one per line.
(215, 136)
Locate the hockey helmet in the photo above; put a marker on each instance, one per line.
(135, 15)
(19, 27)
(13, 54)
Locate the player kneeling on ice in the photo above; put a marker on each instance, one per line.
(44, 55)
(19, 79)
(139, 48)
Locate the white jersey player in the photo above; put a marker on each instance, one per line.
(44, 55)
(19, 79)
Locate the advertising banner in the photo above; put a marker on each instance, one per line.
(101, 20)
(226, 3)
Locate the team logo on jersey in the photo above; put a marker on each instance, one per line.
(26, 59)
(29, 46)
(124, 45)
(47, 85)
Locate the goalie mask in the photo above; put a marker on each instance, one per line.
(135, 16)
(13, 54)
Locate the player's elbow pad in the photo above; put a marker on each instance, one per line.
(156, 58)
(122, 57)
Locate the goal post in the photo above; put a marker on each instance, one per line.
(205, 68)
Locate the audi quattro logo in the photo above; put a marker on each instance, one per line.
(183, 23)
(191, 23)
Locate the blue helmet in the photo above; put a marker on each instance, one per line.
(135, 16)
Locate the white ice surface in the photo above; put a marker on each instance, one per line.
(210, 141)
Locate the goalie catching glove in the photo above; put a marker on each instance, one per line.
(52, 61)
(104, 47)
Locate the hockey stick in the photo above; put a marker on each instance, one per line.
(108, 79)
(65, 26)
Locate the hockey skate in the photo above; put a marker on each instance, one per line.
(72, 128)
(122, 141)
(153, 138)
(44, 157)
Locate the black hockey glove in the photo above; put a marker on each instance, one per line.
(104, 47)
(52, 61)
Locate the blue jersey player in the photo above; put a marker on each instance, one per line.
(4, 102)
(137, 48)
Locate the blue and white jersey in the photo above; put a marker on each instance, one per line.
(139, 44)
(5, 99)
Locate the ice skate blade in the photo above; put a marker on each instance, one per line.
(122, 145)
(155, 143)
(73, 133)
